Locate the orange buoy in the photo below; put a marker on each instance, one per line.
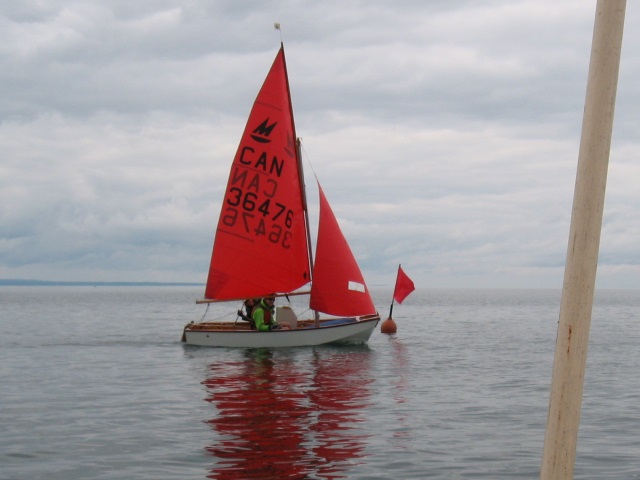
(388, 326)
(404, 286)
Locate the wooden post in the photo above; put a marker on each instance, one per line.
(561, 436)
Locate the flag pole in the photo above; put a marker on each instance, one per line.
(393, 296)
(389, 325)
(558, 456)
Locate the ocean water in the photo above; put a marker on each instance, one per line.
(95, 384)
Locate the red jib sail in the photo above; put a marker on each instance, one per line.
(338, 285)
(261, 242)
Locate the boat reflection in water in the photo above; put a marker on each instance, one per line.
(289, 414)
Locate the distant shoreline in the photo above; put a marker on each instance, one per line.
(48, 283)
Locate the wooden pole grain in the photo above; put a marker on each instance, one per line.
(563, 419)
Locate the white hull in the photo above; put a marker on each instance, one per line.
(346, 330)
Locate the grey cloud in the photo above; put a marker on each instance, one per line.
(445, 133)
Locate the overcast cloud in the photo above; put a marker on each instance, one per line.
(445, 134)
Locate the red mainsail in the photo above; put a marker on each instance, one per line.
(338, 285)
(261, 244)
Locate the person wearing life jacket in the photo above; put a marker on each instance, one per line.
(246, 315)
(263, 315)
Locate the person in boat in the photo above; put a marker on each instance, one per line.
(264, 315)
(247, 315)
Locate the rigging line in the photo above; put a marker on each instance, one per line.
(306, 157)
(205, 312)
(226, 315)
(219, 317)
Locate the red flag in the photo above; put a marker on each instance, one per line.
(404, 286)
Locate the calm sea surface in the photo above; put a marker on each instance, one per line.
(95, 384)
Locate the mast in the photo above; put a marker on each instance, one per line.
(303, 190)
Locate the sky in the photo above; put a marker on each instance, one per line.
(445, 134)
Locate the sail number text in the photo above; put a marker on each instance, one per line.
(258, 218)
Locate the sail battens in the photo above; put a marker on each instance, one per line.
(237, 235)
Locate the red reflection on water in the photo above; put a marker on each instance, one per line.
(341, 393)
(288, 416)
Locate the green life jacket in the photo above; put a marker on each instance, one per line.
(267, 312)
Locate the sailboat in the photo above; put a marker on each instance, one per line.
(262, 246)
